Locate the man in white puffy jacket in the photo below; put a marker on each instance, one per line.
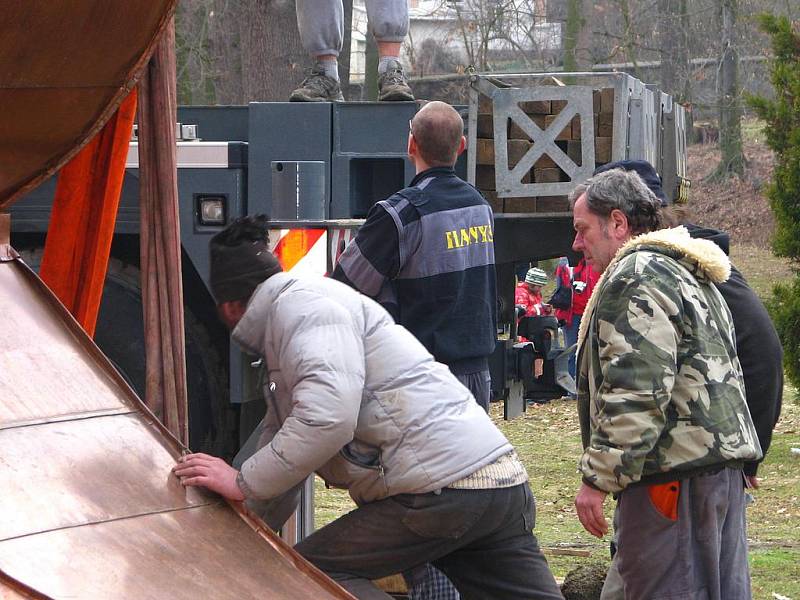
(357, 399)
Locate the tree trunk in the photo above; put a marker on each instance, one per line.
(272, 56)
(578, 35)
(686, 96)
(669, 45)
(571, 29)
(629, 36)
(370, 91)
(224, 56)
(344, 55)
(730, 111)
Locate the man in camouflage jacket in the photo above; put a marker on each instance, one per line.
(664, 421)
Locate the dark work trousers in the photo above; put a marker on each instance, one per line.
(702, 555)
(480, 539)
(480, 384)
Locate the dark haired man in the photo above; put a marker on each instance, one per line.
(757, 343)
(661, 401)
(355, 398)
(427, 254)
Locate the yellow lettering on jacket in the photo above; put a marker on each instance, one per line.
(479, 234)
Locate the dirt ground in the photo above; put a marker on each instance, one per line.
(738, 206)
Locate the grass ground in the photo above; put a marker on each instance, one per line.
(548, 440)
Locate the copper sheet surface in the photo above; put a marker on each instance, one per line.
(205, 552)
(44, 373)
(106, 468)
(64, 68)
(88, 505)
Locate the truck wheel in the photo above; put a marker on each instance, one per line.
(120, 335)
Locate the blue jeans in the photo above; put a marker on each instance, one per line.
(571, 335)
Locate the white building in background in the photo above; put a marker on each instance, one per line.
(456, 25)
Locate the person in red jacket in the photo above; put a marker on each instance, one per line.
(529, 292)
(583, 281)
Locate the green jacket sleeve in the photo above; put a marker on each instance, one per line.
(634, 337)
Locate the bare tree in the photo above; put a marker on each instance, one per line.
(344, 57)
(478, 23)
(668, 33)
(489, 33)
(730, 110)
(272, 55)
(577, 35)
(191, 53)
(236, 51)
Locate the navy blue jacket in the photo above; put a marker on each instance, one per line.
(427, 255)
(757, 344)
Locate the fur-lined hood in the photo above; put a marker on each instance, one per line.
(703, 258)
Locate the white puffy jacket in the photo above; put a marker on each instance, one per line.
(355, 397)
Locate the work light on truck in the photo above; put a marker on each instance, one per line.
(211, 210)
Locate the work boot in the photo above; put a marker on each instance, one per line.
(317, 87)
(392, 85)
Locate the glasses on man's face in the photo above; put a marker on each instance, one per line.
(410, 130)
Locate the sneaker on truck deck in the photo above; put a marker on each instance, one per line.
(392, 84)
(318, 87)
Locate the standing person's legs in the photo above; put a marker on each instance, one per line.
(429, 583)
(388, 22)
(571, 336)
(720, 529)
(700, 554)
(321, 26)
(613, 588)
(480, 385)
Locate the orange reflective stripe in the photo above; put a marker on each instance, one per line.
(295, 245)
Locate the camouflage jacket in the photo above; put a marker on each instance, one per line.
(660, 390)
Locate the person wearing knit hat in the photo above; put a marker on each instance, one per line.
(240, 261)
(356, 398)
(529, 292)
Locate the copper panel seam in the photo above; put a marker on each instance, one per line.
(73, 417)
(112, 520)
(97, 356)
(185, 555)
(64, 543)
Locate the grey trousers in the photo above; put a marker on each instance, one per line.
(480, 384)
(481, 539)
(700, 556)
(321, 23)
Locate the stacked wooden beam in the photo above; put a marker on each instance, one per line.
(545, 170)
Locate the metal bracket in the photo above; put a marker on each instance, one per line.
(505, 106)
(7, 253)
